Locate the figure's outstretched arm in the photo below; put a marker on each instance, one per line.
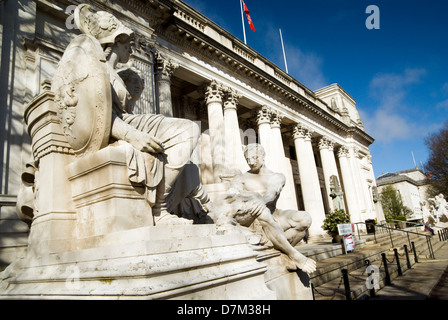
(138, 139)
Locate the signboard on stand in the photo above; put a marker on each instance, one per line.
(346, 231)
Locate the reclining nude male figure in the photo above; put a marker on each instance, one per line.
(253, 196)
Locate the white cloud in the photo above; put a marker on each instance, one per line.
(390, 88)
(386, 127)
(443, 105)
(305, 67)
(389, 122)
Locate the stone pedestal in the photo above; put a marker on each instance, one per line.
(288, 285)
(92, 236)
(54, 214)
(104, 199)
(160, 262)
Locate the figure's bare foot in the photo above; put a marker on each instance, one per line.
(303, 263)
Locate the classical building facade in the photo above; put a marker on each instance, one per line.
(196, 70)
(412, 186)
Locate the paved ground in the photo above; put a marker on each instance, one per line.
(427, 279)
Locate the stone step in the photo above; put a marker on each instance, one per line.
(328, 282)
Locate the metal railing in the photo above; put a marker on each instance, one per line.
(387, 229)
(385, 263)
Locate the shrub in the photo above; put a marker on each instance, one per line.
(333, 219)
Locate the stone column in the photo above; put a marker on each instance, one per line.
(234, 148)
(326, 148)
(309, 179)
(281, 164)
(349, 184)
(378, 208)
(213, 100)
(164, 69)
(263, 116)
(366, 184)
(359, 183)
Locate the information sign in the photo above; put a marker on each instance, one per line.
(345, 229)
(349, 243)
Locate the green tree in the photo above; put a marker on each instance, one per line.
(437, 164)
(393, 205)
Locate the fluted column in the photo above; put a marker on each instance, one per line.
(349, 184)
(164, 69)
(364, 172)
(234, 148)
(213, 99)
(309, 179)
(359, 183)
(330, 169)
(378, 208)
(263, 116)
(281, 164)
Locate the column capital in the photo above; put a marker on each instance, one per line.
(357, 153)
(300, 131)
(231, 98)
(276, 119)
(263, 115)
(326, 143)
(164, 67)
(343, 152)
(213, 92)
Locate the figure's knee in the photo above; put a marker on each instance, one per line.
(305, 218)
(192, 129)
(294, 219)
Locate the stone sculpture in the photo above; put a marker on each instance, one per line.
(103, 212)
(440, 207)
(252, 197)
(336, 193)
(161, 146)
(427, 213)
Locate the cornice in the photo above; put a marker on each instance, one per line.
(187, 28)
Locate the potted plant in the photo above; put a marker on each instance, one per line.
(331, 222)
(401, 221)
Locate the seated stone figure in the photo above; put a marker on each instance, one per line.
(169, 141)
(252, 196)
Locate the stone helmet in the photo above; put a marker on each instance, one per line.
(102, 25)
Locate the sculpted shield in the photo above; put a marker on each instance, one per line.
(83, 92)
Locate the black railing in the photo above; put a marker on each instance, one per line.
(385, 263)
(387, 229)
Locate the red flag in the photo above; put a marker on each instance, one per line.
(251, 24)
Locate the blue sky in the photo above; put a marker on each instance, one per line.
(397, 74)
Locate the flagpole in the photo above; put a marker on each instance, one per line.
(242, 20)
(283, 47)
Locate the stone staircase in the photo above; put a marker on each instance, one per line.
(328, 280)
